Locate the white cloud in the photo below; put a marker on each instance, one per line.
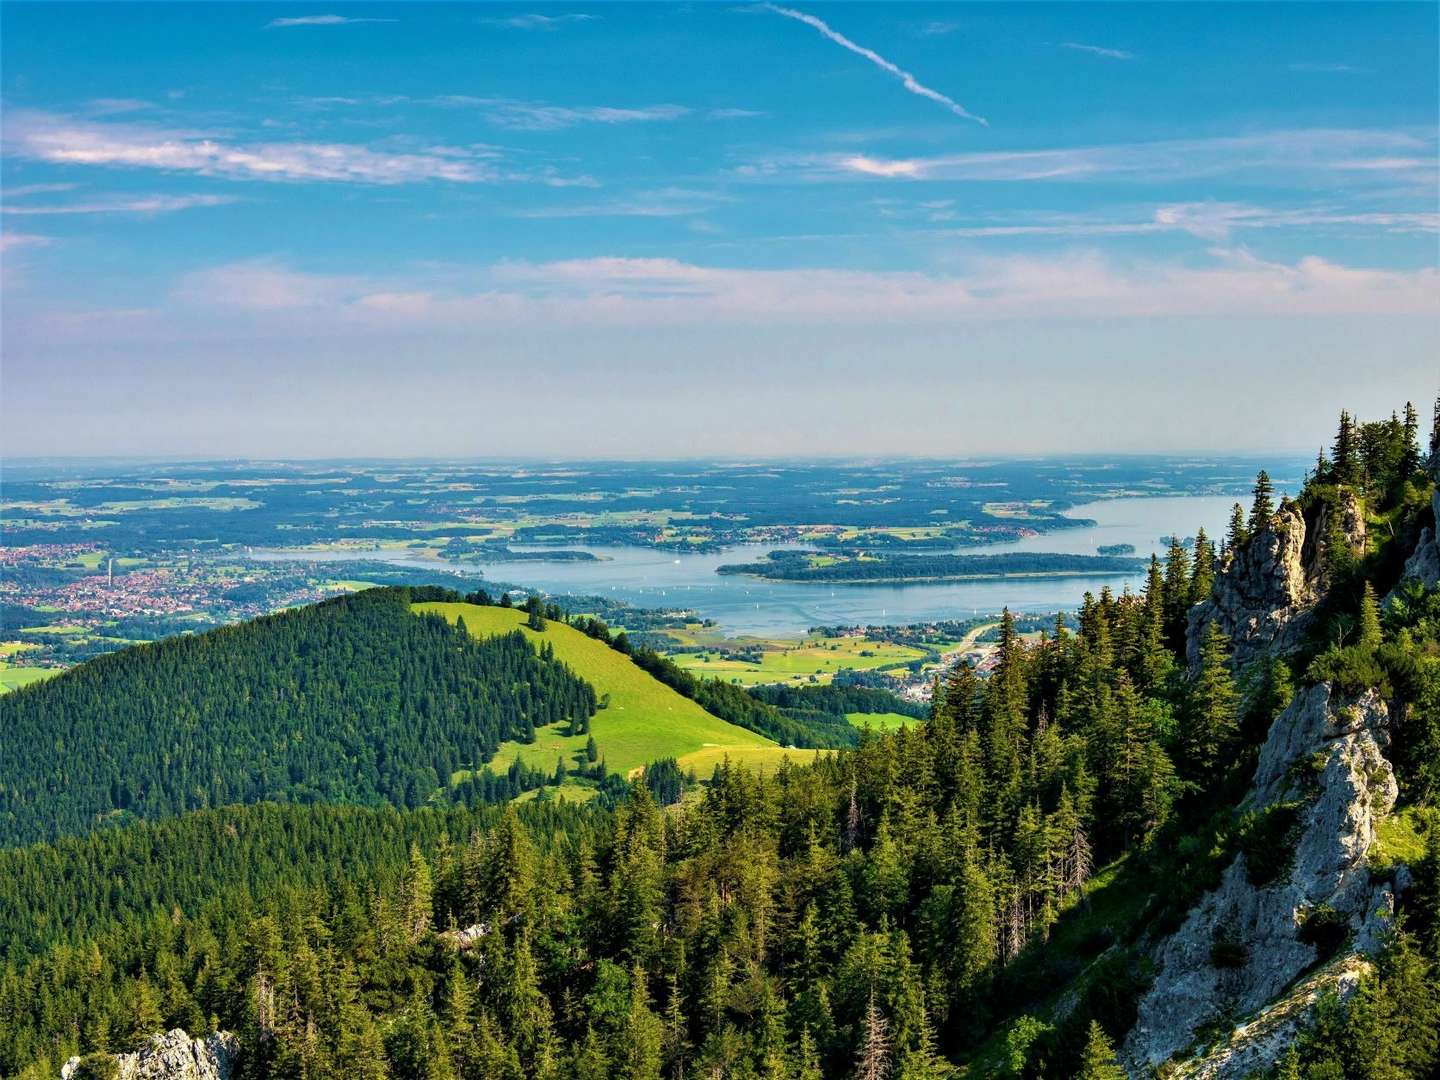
(127, 204)
(1098, 50)
(1204, 220)
(320, 20)
(1400, 154)
(9, 241)
(875, 167)
(63, 141)
(906, 79)
(626, 293)
(538, 116)
(23, 190)
(540, 22)
(263, 285)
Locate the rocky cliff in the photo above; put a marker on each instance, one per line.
(1424, 562)
(1324, 778)
(172, 1056)
(1263, 594)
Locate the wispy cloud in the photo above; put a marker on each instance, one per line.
(1328, 69)
(115, 106)
(540, 22)
(626, 292)
(735, 114)
(143, 204)
(320, 20)
(9, 241)
(1386, 155)
(906, 79)
(64, 141)
(1098, 50)
(538, 116)
(939, 29)
(22, 191)
(1210, 221)
(662, 203)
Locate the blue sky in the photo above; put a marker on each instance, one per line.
(716, 228)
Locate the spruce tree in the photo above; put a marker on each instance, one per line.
(1097, 1060)
(1346, 453)
(1210, 723)
(1202, 575)
(1409, 464)
(1369, 619)
(1237, 535)
(1262, 509)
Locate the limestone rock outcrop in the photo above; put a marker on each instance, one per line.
(173, 1056)
(1261, 597)
(1244, 944)
(1263, 594)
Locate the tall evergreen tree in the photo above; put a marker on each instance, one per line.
(1097, 1060)
(1210, 722)
(1262, 509)
(1345, 455)
(1409, 464)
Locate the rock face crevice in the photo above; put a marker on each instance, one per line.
(1243, 946)
(174, 1056)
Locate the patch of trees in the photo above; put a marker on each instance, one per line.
(352, 700)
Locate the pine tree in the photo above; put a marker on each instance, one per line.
(1202, 575)
(1369, 620)
(805, 1062)
(1262, 509)
(1409, 464)
(1097, 1060)
(419, 894)
(1435, 437)
(1237, 535)
(1210, 723)
(1177, 594)
(1346, 454)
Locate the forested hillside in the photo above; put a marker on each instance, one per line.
(1098, 860)
(353, 700)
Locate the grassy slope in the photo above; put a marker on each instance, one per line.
(885, 721)
(645, 719)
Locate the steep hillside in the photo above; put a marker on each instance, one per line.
(640, 719)
(353, 700)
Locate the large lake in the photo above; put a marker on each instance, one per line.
(741, 605)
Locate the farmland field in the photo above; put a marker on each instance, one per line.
(796, 662)
(12, 678)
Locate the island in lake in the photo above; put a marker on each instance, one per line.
(880, 567)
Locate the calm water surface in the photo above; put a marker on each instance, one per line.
(742, 605)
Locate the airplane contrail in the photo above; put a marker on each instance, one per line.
(909, 81)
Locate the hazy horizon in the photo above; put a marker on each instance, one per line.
(651, 231)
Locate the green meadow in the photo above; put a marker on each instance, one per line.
(12, 678)
(884, 721)
(644, 720)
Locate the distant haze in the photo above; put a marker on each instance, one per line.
(657, 230)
